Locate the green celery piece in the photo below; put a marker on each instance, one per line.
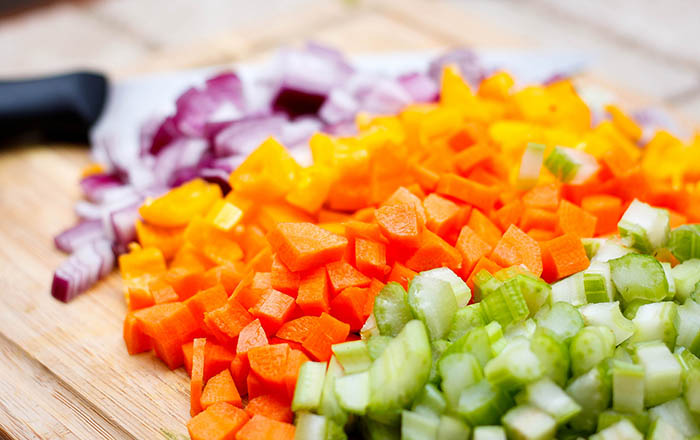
(644, 227)
(662, 372)
(432, 301)
(437, 349)
(561, 164)
(307, 393)
(553, 355)
(662, 430)
(489, 433)
(391, 310)
(353, 356)
(590, 346)
(352, 392)
(400, 373)
(570, 290)
(640, 420)
(515, 366)
(329, 405)
(525, 328)
(419, 426)
(669, 279)
(550, 398)
(369, 328)
(691, 390)
(689, 327)
(430, 401)
(530, 166)
(458, 371)
(685, 242)
(309, 426)
(374, 430)
(465, 319)
(562, 319)
(376, 345)
(515, 300)
(496, 308)
(535, 291)
(483, 404)
(335, 432)
(475, 342)
(676, 413)
(601, 268)
(609, 250)
(622, 430)
(608, 314)
(656, 321)
(529, 423)
(686, 276)
(484, 285)
(495, 331)
(623, 352)
(638, 276)
(595, 288)
(591, 246)
(452, 428)
(627, 387)
(631, 309)
(462, 292)
(592, 391)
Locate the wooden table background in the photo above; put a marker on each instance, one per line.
(65, 371)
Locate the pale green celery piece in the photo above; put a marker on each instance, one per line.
(562, 319)
(432, 301)
(689, 327)
(437, 348)
(329, 405)
(623, 353)
(535, 291)
(561, 164)
(592, 391)
(691, 390)
(462, 292)
(525, 328)
(417, 426)
(374, 430)
(530, 166)
(591, 245)
(495, 331)
(669, 279)
(484, 285)
(391, 310)
(483, 404)
(466, 319)
(515, 366)
(400, 373)
(506, 304)
(685, 242)
(627, 387)
(570, 290)
(644, 227)
(376, 345)
(595, 288)
(590, 346)
(685, 276)
(307, 393)
(452, 428)
(638, 276)
(475, 342)
(550, 398)
(640, 420)
(310, 426)
(676, 413)
(335, 431)
(353, 356)
(631, 308)
(622, 430)
(553, 355)
(489, 433)
(430, 401)
(608, 315)
(602, 268)
(458, 371)
(369, 328)
(662, 372)
(662, 430)
(352, 392)
(656, 321)
(529, 423)
(609, 250)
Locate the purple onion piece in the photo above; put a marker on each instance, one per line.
(76, 236)
(471, 68)
(94, 186)
(297, 102)
(244, 135)
(420, 87)
(122, 223)
(82, 269)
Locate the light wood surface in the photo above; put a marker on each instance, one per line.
(66, 373)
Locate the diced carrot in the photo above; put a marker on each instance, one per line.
(295, 360)
(607, 210)
(313, 292)
(186, 282)
(484, 228)
(535, 218)
(239, 371)
(328, 216)
(206, 301)
(226, 322)
(263, 428)
(442, 214)
(348, 306)
(299, 329)
(433, 252)
(256, 386)
(269, 363)
(330, 331)
(220, 388)
(574, 220)
(364, 214)
(563, 256)
(135, 339)
(544, 196)
(252, 240)
(401, 274)
(516, 247)
(400, 224)
(373, 290)
(189, 259)
(304, 246)
(461, 140)
(369, 231)
(676, 219)
(370, 258)
(402, 196)
(220, 421)
(197, 379)
(283, 279)
(483, 264)
(271, 407)
(471, 157)
(342, 275)
(480, 175)
(509, 214)
(481, 196)
(169, 326)
(541, 234)
(251, 336)
(213, 243)
(618, 161)
(216, 358)
(472, 248)
(273, 310)
(228, 275)
(426, 178)
(137, 294)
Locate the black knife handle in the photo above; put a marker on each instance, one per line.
(60, 108)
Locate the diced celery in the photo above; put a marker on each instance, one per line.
(374, 430)
(662, 430)
(483, 403)
(458, 371)
(562, 319)
(452, 429)
(535, 291)
(570, 290)
(462, 292)
(590, 346)
(591, 245)
(335, 431)
(310, 426)
(644, 227)
(622, 430)
(530, 166)
(489, 433)
(627, 387)
(689, 327)
(631, 308)
(669, 279)
(475, 342)
(430, 400)
(376, 345)
(506, 304)
(594, 286)
(638, 276)
(570, 165)
(550, 398)
(602, 269)
(515, 366)
(391, 309)
(353, 356)
(495, 331)
(609, 315)
(437, 348)
(640, 420)
(609, 250)
(676, 413)
(307, 393)
(685, 276)
(524, 328)
(352, 391)
(484, 285)
(592, 392)
(685, 242)
(465, 319)
(529, 423)
(691, 390)
(329, 405)
(656, 321)
(369, 328)
(662, 372)
(553, 355)
(622, 353)
(418, 426)
(399, 374)
(431, 300)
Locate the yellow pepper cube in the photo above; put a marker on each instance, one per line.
(224, 215)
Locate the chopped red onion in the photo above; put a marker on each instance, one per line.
(82, 233)
(420, 87)
(82, 269)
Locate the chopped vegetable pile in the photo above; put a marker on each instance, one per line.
(491, 264)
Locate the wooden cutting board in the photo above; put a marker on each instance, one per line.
(65, 371)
